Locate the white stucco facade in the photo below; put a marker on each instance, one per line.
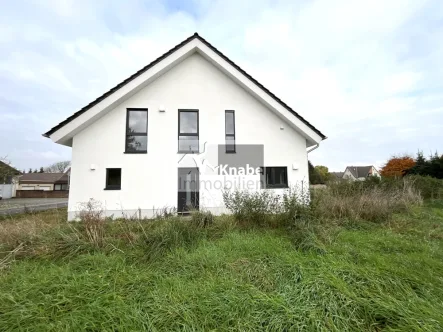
(149, 181)
(191, 76)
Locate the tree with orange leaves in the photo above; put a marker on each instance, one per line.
(397, 166)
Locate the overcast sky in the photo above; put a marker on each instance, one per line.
(368, 74)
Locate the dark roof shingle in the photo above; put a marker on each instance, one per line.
(338, 174)
(359, 171)
(43, 178)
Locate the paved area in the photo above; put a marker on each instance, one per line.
(20, 205)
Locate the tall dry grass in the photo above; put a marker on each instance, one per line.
(27, 228)
(298, 215)
(93, 222)
(365, 201)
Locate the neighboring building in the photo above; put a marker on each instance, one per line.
(39, 184)
(359, 173)
(43, 181)
(165, 137)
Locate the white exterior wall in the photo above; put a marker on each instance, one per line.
(348, 175)
(149, 181)
(6, 191)
(375, 172)
(34, 186)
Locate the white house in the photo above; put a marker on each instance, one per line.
(359, 173)
(178, 132)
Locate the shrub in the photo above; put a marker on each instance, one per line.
(251, 207)
(268, 207)
(372, 200)
(428, 186)
(295, 204)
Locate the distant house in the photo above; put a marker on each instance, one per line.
(43, 181)
(359, 173)
(43, 185)
(7, 173)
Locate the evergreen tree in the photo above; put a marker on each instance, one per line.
(428, 167)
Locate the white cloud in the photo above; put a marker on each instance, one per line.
(401, 83)
(366, 73)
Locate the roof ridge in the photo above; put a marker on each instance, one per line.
(163, 56)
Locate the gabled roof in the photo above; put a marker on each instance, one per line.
(338, 175)
(360, 171)
(43, 178)
(171, 52)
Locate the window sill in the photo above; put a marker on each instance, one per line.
(110, 188)
(230, 152)
(136, 152)
(276, 187)
(188, 152)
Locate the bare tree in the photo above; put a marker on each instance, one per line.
(58, 167)
(7, 172)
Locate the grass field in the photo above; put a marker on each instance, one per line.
(168, 276)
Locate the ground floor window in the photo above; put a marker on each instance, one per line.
(274, 177)
(61, 186)
(113, 178)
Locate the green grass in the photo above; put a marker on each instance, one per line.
(358, 276)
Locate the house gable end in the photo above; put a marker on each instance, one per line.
(64, 132)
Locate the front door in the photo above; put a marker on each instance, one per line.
(188, 189)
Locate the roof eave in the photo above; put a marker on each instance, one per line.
(65, 140)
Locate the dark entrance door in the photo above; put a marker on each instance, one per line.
(188, 189)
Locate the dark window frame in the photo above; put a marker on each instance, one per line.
(61, 187)
(128, 110)
(112, 187)
(230, 135)
(189, 134)
(273, 185)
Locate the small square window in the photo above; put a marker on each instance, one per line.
(274, 177)
(113, 178)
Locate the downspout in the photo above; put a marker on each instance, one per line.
(313, 148)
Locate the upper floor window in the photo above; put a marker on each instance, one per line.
(274, 177)
(230, 131)
(188, 131)
(136, 130)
